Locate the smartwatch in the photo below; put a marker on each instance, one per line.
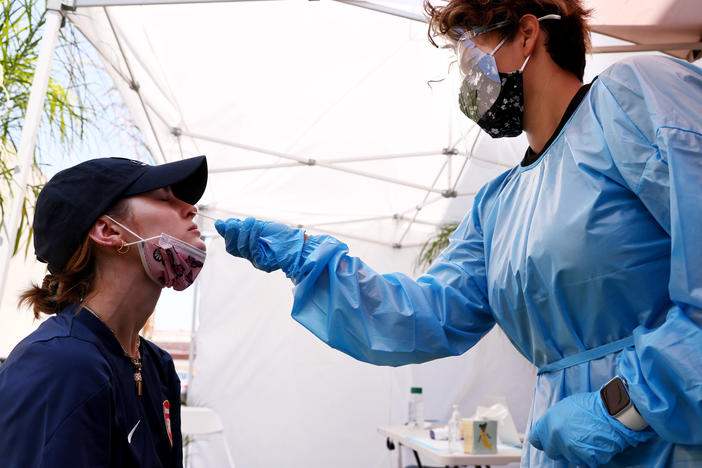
(615, 397)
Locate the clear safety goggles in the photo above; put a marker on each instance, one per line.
(471, 59)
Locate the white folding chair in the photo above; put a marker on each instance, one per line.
(195, 421)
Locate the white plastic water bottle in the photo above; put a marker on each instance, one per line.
(416, 408)
(454, 431)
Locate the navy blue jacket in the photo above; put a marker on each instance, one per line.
(68, 399)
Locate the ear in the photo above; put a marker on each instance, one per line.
(104, 233)
(528, 34)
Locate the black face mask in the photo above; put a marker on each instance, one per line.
(504, 117)
(501, 115)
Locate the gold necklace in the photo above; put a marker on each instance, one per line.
(136, 361)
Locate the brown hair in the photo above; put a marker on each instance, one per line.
(74, 282)
(568, 39)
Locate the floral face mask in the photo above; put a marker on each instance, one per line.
(169, 262)
(493, 100)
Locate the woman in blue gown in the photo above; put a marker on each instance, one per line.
(588, 254)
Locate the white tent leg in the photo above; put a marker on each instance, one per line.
(228, 452)
(25, 153)
(191, 351)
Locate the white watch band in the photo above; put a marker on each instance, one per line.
(631, 418)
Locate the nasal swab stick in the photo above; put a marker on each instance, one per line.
(206, 216)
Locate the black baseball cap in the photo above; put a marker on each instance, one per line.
(74, 198)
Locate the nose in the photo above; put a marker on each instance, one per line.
(188, 210)
(192, 211)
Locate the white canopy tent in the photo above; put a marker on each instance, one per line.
(320, 114)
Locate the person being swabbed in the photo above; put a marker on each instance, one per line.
(84, 390)
(587, 254)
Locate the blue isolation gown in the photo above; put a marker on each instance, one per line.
(590, 259)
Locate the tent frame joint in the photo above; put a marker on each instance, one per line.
(449, 151)
(61, 5)
(449, 193)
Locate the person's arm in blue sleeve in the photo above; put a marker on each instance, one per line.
(382, 319)
(664, 169)
(390, 319)
(649, 114)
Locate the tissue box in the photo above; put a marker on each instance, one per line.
(479, 435)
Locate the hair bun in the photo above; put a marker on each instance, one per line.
(50, 283)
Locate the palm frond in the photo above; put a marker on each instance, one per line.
(433, 247)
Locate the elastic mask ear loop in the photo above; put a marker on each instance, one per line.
(547, 17)
(524, 64)
(127, 244)
(497, 47)
(551, 16)
(494, 51)
(141, 241)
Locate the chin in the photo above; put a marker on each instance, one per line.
(197, 242)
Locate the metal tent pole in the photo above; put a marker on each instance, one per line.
(135, 86)
(32, 118)
(386, 9)
(647, 47)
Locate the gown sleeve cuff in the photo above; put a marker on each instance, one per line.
(316, 252)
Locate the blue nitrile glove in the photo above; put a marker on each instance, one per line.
(267, 245)
(579, 429)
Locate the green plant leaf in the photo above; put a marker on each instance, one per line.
(433, 247)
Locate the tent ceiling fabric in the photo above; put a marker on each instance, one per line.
(650, 22)
(314, 81)
(319, 113)
(644, 22)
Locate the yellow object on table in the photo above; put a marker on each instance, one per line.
(479, 435)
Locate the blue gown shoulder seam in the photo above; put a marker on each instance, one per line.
(614, 97)
(670, 127)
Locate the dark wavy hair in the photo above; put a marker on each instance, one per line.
(568, 39)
